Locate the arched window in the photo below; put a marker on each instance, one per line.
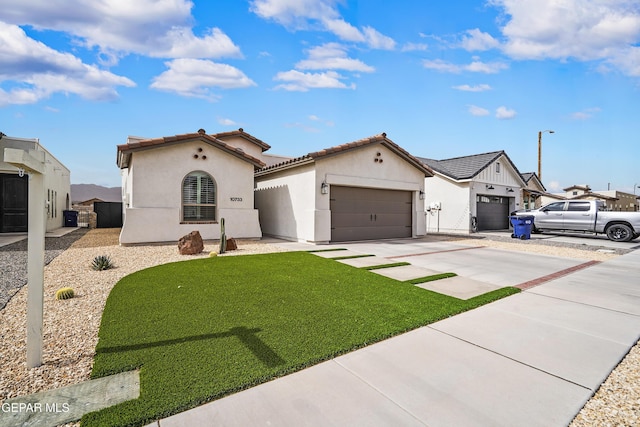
(198, 197)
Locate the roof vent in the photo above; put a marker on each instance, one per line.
(202, 131)
(241, 130)
(384, 134)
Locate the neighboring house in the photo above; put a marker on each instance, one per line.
(472, 193)
(177, 184)
(86, 204)
(367, 189)
(14, 188)
(614, 200)
(532, 194)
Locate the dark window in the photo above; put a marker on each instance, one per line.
(558, 206)
(198, 197)
(579, 207)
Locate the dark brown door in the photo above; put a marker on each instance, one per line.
(14, 200)
(368, 213)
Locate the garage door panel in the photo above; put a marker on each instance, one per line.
(366, 213)
(492, 213)
(389, 219)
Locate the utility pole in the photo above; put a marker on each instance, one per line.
(540, 152)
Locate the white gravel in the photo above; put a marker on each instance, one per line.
(71, 326)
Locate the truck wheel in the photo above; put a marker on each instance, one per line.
(619, 233)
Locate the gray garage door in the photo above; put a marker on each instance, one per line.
(366, 214)
(492, 213)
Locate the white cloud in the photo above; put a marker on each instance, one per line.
(226, 122)
(476, 88)
(503, 113)
(477, 111)
(475, 40)
(302, 82)
(33, 71)
(332, 56)
(148, 27)
(377, 40)
(410, 47)
(585, 114)
(195, 78)
(322, 15)
(596, 30)
(441, 65)
(475, 67)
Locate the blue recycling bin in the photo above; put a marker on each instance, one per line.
(522, 226)
(70, 218)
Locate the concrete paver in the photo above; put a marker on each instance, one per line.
(337, 254)
(404, 272)
(368, 261)
(459, 287)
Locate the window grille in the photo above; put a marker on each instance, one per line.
(198, 197)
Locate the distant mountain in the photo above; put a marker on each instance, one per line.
(82, 192)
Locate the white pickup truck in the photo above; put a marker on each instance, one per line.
(587, 216)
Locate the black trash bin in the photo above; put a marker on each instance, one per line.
(70, 218)
(522, 226)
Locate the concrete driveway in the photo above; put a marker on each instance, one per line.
(532, 359)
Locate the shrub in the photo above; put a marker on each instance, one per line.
(65, 293)
(102, 262)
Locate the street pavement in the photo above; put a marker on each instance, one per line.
(531, 359)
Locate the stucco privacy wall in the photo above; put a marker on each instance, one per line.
(307, 217)
(153, 211)
(454, 215)
(286, 202)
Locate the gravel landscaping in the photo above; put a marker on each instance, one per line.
(71, 326)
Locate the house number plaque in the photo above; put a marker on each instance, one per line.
(236, 199)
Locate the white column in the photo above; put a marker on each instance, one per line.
(35, 275)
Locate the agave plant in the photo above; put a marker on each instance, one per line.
(102, 262)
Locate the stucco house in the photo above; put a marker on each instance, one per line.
(14, 187)
(472, 193)
(367, 189)
(174, 185)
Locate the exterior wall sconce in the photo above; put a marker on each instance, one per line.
(421, 195)
(324, 188)
(509, 189)
(489, 187)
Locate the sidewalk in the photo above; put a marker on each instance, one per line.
(532, 359)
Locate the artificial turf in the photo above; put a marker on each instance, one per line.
(202, 329)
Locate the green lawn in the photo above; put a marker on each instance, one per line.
(202, 329)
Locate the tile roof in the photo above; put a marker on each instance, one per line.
(339, 149)
(240, 132)
(125, 150)
(466, 167)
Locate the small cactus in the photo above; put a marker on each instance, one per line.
(102, 262)
(64, 293)
(223, 237)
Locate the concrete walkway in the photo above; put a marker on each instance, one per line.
(532, 359)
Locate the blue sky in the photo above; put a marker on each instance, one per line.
(443, 79)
